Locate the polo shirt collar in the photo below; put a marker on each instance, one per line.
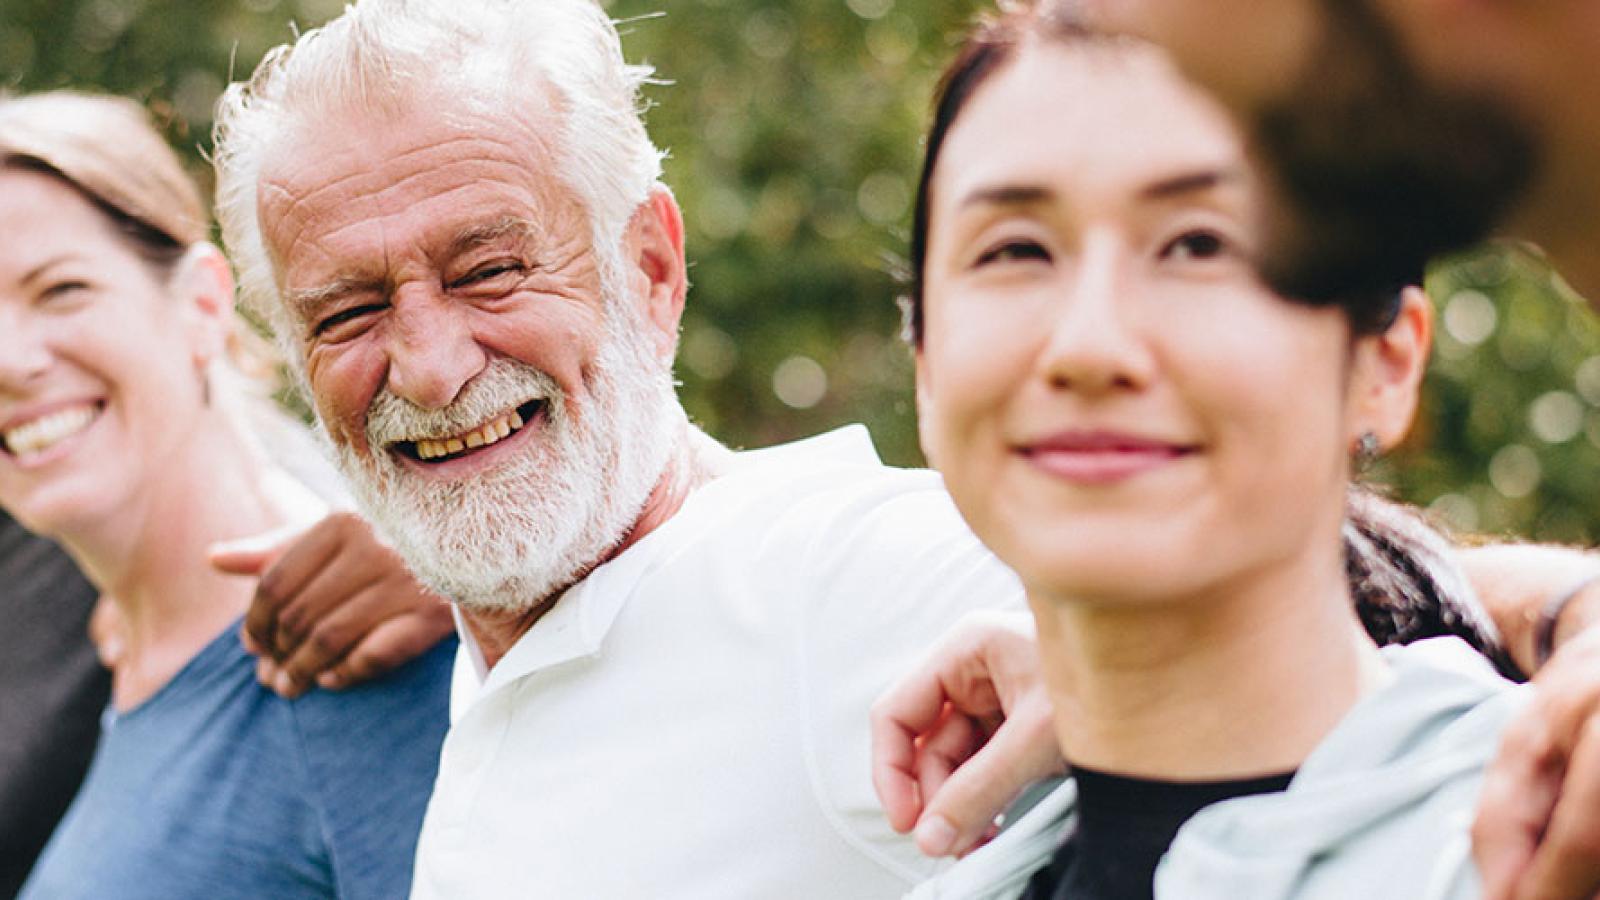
(578, 622)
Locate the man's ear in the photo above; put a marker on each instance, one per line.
(655, 246)
(203, 284)
(1386, 375)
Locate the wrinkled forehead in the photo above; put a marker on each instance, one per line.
(329, 185)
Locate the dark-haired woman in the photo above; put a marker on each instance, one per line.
(1162, 449)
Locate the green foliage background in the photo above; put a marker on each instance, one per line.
(794, 135)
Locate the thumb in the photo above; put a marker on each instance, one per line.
(251, 555)
(959, 814)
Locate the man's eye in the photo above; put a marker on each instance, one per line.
(1013, 251)
(1196, 245)
(345, 317)
(487, 273)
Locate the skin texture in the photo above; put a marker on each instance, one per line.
(1095, 280)
(412, 259)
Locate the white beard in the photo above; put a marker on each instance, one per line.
(509, 539)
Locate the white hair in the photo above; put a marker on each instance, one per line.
(380, 53)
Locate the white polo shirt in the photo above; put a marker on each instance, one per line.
(690, 721)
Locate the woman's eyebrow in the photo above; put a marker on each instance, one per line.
(39, 271)
(1191, 182)
(1009, 195)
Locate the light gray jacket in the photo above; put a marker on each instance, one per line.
(1381, 809)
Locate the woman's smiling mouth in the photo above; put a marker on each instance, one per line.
(33, 436)
(1101, 457)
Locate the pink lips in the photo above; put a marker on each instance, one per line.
(1100, 457)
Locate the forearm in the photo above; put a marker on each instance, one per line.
(1517, 582)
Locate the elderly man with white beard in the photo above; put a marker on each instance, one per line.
(451, 215)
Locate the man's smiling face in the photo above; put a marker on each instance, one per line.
(470, 358)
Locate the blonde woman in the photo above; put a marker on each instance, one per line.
(126, 436)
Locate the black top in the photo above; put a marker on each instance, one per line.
(1123, 827)
(52, 690)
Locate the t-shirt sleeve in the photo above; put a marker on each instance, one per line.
(372, 753)
(887, 576)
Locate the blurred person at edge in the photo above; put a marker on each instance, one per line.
(1101, 381)
(131, 439)
(669, 648)
(1392, 131)
(1388, 131)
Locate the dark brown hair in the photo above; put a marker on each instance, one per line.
(988, 47)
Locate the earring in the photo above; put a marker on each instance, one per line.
(1367, 450)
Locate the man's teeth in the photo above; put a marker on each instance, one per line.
(48, 430)
(491, 432)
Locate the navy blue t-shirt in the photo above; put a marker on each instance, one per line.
(218, 788)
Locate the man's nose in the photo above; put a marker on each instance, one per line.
(431, 348)
(1096, 340)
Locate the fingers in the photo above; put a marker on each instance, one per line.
(1538, 828)
(390, 646)
(959, 812)
(933, 718)
(1566, 865)
(337, 596)
(248, 556)
(334, 615)
(914, 707)
(343, 608)
(899, 717)
(285, 573)
(1519, 792)
(943, 749)
(896, 786)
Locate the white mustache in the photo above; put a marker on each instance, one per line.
(505, 384)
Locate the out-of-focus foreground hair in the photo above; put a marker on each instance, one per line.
(995, 41)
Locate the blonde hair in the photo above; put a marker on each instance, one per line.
(109, 151)
(107, 148)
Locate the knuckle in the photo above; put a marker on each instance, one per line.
(271, 588)
(328, 640)
(370, 663)
(292, 625)
(1530, 739)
